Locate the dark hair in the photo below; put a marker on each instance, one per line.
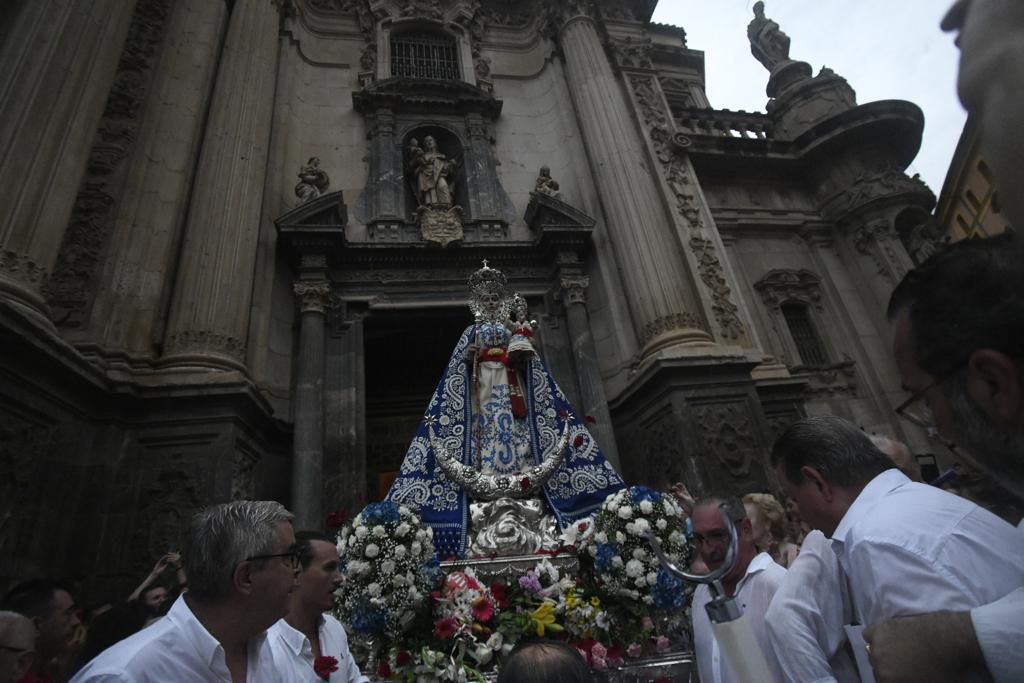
(835, 447)
(304, 545)
(967, 296)
(733, 506)
(32, 598)
(545, 661)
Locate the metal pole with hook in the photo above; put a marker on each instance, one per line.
(730, 629)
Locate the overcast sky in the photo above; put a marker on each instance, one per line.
(886, 49)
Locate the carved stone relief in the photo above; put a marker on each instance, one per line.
(204, 340)
(313, 295)
(631, 54)
(878, 239)
(167, 507)
(782, 285)
(727, 431)
(868, 186)
(243, 479)
(68, 288)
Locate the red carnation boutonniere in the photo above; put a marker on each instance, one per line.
(325, 666)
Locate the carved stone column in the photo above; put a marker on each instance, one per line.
(210, 309)
(308, 449)
(878, 239)
(657, 281)
(57, 64)
(594, 402)
(387, 193)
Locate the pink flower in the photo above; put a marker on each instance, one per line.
(599, 651)
(483, 610)
(635, 650)
(661, 644)
(598, 663)
(446, 628)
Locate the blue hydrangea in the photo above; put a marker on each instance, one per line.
(431, 571)
(670, 591)
(603, 557)
(367, 618)
(381, 513)
(641, 493)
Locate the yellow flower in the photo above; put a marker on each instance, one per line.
(595, 601)
(544, 618)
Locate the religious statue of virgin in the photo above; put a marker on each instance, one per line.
(500, 463)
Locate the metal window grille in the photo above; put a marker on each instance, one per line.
(424, 55)
(801, 328)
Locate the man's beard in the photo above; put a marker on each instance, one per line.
(995, 449)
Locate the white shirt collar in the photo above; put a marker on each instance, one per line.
(295, 639)
(876, 489)
(208, 647)
(759, 563)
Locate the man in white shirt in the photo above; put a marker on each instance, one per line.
(805, 622)
(241, 566)
(308, 634)
(907, 548)
(753, 581)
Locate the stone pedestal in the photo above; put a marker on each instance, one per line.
(57, 63)
(213, 291)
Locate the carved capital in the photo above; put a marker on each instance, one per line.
(574, 289)
(781, 285)
(631, 54)
(313, 295)
(561, 14)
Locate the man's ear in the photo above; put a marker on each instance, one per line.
(994, 384)
(819, 481)
(746, 528)
(241, 578)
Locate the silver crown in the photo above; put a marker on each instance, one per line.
(484, 281)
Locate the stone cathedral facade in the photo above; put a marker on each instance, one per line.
(222, 277)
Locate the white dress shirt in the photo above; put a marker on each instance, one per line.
(175, 648)
(999, 627)
(754, 593)
(910, 548)
(805, 620)
(293, 653)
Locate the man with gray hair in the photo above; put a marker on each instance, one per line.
(753, 581)
(17, 645)
(900, 455)
(907, 548)
(241, 564)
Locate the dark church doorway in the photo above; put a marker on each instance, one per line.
(406, 352)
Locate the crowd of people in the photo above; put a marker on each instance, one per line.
(862, 573)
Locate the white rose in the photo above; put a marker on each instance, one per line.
(620, 537)
(430, 533)
(639, 554)
(592, 550)
(373, 589)
(403, 510)
(420, 534)
(641, 526)
(669, 508)
(625, 512)
(675, 537)
(398, 581)
(630, 528)
(361, 532)
(416, 548)
(372, 551)
(414, 595)
(352, 541)
(646, 507)
(400, 551)
(380, 532)
(402, 529)
(648, 600)
(640, 582)
(613, 506)
(387, 567)
(601, 537)
(617, 562)
(661, 524)
(652, 579)
(634, 568)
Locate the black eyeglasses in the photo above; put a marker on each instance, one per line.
(292, 555)
(916, 409)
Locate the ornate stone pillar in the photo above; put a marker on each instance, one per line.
(387, 193)
(594, 403)
(658, 284)
(345, 409)
(210, 309)
(57, 64)
(308, 448)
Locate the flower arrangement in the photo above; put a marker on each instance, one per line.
(624, 563)
(389, 568)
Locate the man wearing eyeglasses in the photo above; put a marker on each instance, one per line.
(17, 645)
(959, 347)
(753, 580)
(242, 565)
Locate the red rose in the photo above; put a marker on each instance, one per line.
(524, 483)
(446, 628)
(500, 593)
(578, 441)
(384, 670)
(582, 526)
(324, 666)
(403, 658)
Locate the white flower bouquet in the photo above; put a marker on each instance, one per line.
(389, 568)
(624, 562)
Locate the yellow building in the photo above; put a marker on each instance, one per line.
(969, 203)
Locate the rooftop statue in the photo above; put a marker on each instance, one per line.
(499, 463)
(768, 43)
(313, 181)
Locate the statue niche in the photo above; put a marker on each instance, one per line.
(431, 174)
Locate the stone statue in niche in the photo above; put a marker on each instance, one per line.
(546, 184)
(312, 181)
(432, 178)
(768, 43)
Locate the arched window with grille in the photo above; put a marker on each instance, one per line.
(424, 54)
(805, 337)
